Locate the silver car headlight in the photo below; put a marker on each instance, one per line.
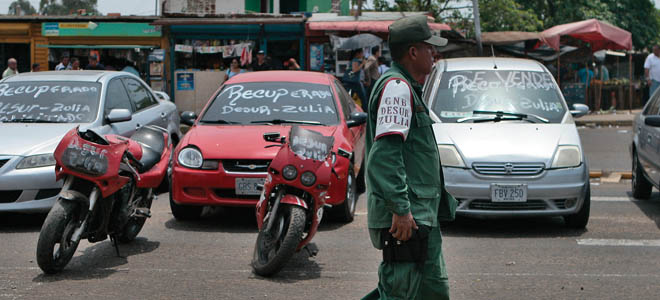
(37, 161)
(449, 156)
(191, 158)
(567, 157)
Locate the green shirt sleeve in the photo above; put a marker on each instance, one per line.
(388, 180)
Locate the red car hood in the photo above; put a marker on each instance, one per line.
(241, 142)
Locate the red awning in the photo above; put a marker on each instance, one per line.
(364, 26)
(598, 34)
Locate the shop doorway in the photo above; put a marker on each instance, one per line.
(282, 51)
(21, 52)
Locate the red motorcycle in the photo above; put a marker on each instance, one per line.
(294, 193)
(108, 190)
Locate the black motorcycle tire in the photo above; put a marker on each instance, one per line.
(57, 228)
(294, 224)
(135, 224)
(345, 212)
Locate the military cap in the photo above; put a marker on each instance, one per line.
(413, 29)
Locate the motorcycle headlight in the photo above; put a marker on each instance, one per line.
(191, 158)
(37, 161)
(289, 172)
(567, 157)
(308, 178)
(449, 156)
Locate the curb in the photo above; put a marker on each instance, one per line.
(600, 174)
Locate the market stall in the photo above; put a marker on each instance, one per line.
(201, 49)
(598, 35)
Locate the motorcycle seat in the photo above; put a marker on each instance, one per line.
(152, 142)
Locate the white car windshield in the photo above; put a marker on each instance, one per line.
(49, 102)
(483, 93)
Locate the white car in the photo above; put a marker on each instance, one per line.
(37, 109)
(507, 140)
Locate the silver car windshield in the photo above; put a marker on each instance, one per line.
(49, 102)
(462, 94)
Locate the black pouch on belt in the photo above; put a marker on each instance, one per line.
(414, 249)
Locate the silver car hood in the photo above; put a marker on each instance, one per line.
(506, 142)
(34, 138)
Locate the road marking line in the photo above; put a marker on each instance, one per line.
(613, 199)
(559, 275)
(618, 242)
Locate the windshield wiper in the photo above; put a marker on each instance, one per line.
(219, 122)
(29, 120)
(281, 121)
(500, 116)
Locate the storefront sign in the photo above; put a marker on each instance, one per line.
(183, 48)
(99, 29)
(185, 81)
(316, 57)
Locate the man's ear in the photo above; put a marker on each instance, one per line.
(412, 51)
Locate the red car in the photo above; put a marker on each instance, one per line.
(223, 158)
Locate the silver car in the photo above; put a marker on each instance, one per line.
(645, 149)
(507, 140)
(37, 109)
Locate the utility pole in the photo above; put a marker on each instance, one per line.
(156, 10)
(359, 11)
(477, 26)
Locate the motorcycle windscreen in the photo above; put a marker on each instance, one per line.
(310, 144)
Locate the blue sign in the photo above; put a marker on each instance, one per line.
(185, 81)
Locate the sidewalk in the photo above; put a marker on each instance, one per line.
(617, 118)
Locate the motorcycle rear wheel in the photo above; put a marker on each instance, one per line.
(54, 248)
(273, 249)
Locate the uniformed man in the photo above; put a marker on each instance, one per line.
(404, 177)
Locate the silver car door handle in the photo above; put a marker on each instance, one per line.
(648, 137)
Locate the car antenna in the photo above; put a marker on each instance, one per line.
(492, 51)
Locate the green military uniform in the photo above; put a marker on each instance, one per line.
(404, 175)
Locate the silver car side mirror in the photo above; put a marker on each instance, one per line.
(579, 110)
(119, 115)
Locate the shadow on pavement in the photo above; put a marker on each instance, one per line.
(99, 260)
(15, 222)
(650, 207)
(219, 219)
(299, 268)
(510, 228)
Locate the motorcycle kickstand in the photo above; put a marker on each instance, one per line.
(311, 249)
(114, 242)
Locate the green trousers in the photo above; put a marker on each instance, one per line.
(406, 281)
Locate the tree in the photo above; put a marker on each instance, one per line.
(67, 7)
(21, 8)
(507, 15)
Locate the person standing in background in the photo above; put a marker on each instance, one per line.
(94, 63)
(75, 64)
(652, 70)
(12, 68)
(35, 67)
(371, 73)
(261, 64)
(64, 63)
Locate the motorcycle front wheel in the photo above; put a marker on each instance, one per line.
(135, 223)
(275, 247)
(55, 248)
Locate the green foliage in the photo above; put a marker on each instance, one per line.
(507, 15)
(67, 7)
(21, 8)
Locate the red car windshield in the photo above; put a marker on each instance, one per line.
(273, 102)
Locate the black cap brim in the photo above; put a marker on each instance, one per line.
(436, 41)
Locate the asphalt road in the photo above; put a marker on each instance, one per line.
(617, 257)
(607, 148)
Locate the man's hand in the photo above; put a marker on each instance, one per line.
(402, 226)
